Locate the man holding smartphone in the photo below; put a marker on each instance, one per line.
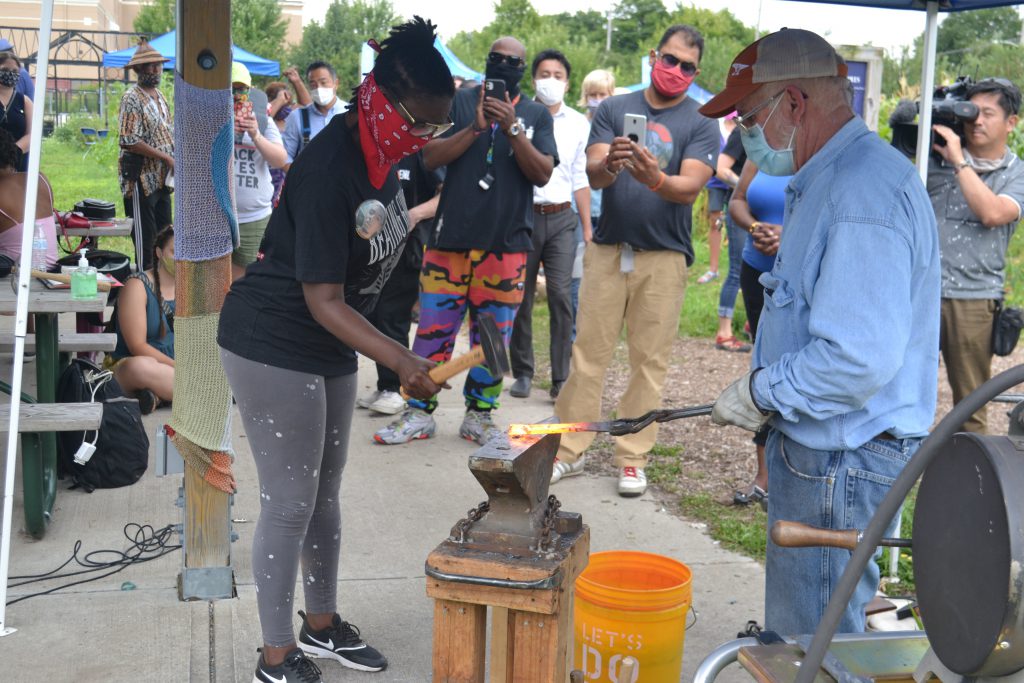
(498, 149)
(634, 269)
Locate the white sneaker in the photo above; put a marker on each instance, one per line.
(388, 403)
(632, 482)
(368, 400)
(564, 469)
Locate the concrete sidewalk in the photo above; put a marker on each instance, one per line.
(399, 502)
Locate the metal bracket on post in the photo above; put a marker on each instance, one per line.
(205, 582)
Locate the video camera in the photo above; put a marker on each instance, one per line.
(950, 107)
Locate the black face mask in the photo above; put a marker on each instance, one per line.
(509, 74)
(8, 78)
(149, 80)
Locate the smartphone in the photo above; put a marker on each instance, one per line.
(634, 127)
(494, 87)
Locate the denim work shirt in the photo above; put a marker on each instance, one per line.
(849, 334)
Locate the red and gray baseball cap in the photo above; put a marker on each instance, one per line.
(781, 56)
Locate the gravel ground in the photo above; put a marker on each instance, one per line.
(718, 460)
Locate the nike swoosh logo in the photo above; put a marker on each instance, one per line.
(329, 644)
(283, 679)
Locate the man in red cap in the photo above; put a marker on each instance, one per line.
(845, 366)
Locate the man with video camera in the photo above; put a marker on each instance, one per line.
(977, 191)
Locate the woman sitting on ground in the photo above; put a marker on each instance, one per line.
(12, 204)
(143, 362)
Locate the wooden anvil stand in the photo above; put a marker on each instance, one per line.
(517, 554)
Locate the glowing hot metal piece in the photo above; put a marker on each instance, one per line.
(613, 427)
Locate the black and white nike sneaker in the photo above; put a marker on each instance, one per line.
(294, 669)
(341, 642)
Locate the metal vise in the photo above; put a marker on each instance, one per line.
(519, 518)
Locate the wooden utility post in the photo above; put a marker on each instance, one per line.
(203, 61)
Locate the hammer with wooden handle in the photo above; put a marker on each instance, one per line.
(66, 279)
(490, 352)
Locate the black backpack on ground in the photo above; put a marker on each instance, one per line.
(122, 447)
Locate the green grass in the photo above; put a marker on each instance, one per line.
(739, 528)
(75, 174)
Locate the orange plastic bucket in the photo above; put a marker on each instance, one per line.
(631, 604)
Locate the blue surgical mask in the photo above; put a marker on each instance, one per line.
(777, 162)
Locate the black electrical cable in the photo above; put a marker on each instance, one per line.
(146, 544)
(888, 508)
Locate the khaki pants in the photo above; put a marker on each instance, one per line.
(965, 338)
(647, 301)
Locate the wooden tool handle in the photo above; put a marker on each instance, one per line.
(66, 279)
(798, 535)
(444, 372)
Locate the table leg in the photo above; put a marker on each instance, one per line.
(39, 459)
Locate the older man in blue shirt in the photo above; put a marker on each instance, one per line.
(845, 368)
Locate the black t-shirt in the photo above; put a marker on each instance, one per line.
(734, 148)
(499, 219)
(312, 237)
(419, 185)
(630, 212)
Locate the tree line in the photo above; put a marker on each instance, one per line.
(975, 43)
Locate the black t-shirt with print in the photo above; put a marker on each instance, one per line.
(312, 237)
(419, 184)
(499, 219)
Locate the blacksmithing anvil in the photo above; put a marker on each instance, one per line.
(519, 517)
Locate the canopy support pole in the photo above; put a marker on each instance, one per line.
(924, 128)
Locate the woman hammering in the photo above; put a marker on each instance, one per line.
(294, 323)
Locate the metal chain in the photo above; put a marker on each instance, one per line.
(549, 522)
(462, 526)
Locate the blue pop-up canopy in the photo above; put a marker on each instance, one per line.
(167, 43)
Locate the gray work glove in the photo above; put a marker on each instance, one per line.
(735, 405)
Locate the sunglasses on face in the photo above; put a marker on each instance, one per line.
(511, 60)
(688, 68)
(423, 129)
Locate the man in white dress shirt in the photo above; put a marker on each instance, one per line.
(554, 227)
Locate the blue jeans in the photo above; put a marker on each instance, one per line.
(829, 489)
(731, 284)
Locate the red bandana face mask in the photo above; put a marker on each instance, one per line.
(383, 132)
(669, 81)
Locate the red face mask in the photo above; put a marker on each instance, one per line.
(669, 81)
(383, 132)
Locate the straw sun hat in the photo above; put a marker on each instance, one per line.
(145, 54)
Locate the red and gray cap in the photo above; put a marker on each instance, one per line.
(781, 56)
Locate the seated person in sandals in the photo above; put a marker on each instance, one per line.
(143, 362)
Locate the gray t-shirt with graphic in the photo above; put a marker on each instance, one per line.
(630, 212)
(974, 256)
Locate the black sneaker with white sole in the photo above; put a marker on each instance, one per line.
(294, 669)
(341, 642)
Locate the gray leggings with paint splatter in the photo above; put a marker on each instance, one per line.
(298, 428)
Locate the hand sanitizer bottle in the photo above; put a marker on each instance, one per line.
(83, 280)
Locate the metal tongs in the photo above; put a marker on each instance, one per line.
(613, 427)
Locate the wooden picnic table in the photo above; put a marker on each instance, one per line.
(39, 468)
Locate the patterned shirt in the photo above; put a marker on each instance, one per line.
(143, 119)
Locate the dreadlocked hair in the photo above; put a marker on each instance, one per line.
(162, 238)
(408, 65)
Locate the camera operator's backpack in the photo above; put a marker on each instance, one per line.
(122, 447)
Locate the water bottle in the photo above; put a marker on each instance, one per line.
(39, 248)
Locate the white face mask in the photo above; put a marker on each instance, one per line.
(323, 96)
(550, 91)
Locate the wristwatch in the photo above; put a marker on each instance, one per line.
(961, 166)
(514, 130)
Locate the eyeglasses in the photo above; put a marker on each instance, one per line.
(423, 129)
(688, 68)
(744, 120)
(511, 60)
